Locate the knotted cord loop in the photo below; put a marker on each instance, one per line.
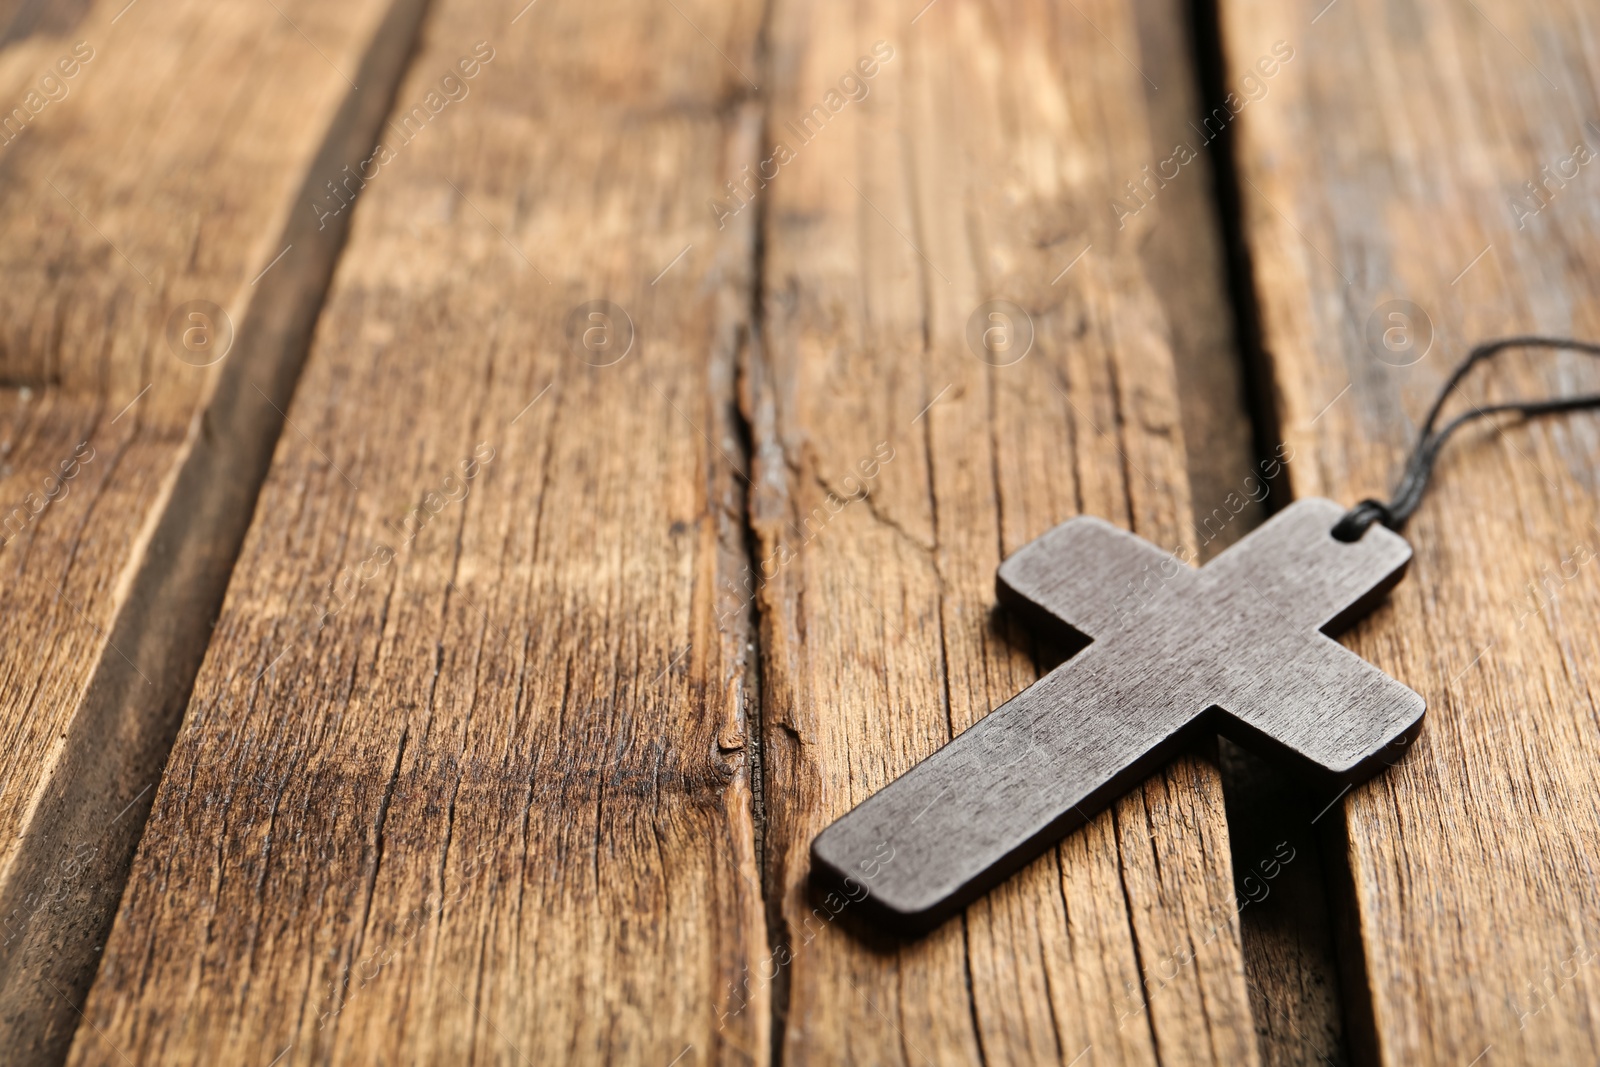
(1419, 466)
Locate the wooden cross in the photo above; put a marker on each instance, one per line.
(1239, 647)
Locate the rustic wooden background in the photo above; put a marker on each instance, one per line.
(388, 678)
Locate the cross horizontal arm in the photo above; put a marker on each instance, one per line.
(1090, 575)
(1311, 578)
(1322, 705)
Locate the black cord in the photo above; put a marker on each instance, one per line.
(1419, 467)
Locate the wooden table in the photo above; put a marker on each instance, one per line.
(482, 485)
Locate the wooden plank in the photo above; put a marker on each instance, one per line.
(1388, 161)
(978, 166)
(465, 775)
(151, 156)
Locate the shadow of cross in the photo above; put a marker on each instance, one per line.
(1239, 647)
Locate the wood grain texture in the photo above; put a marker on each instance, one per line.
(150, 156)
(465, 774)
(980, 165)
(1389, 161)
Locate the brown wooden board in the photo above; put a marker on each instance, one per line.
(465, 774)
(1389, 161)
(151, 156)
(894, 471)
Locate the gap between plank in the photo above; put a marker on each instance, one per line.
(755, 689)
(1312, 950)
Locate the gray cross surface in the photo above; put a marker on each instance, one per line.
(1239, 647)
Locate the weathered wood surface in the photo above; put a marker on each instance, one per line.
(151, 155)
(519, 796)
(465, 777)
(979, 166)
(1390, 161)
